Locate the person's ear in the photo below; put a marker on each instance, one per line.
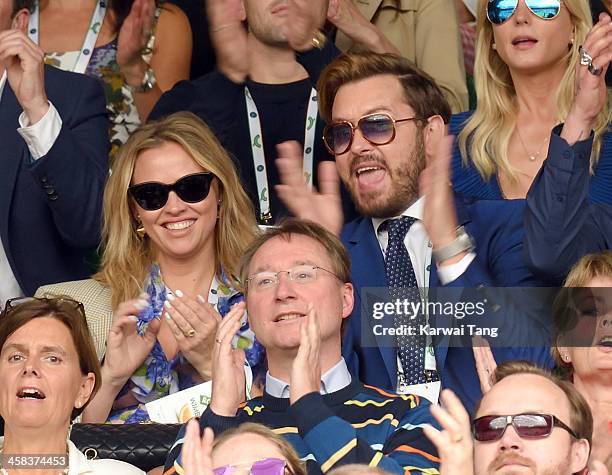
(433, 132)
(87, 385)
(21, 19)
(579, 456)
(348, 299)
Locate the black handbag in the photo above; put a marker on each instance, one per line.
(143, 445)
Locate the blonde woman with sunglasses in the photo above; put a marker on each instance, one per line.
(539, 64)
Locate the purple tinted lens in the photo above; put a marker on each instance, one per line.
(225, 470)
(378, 128)
(532, 425)
(338, 136)
(269, 466)
(489, 428)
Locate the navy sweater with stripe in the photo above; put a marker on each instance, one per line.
(357, 424)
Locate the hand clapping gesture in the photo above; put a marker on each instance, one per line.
(324, 207)
(454, 441)
(193, 323)
(23, 61)
(133, 38)
(306, 370)
(228, 386)
(197, 453)
(126, 350)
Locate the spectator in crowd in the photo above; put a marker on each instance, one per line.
(298, 293)
(586, 312)
(176, 222)
(538, 63)
(261, 94)
(387, 122)
(48, 374)
(548, 429)
(54, 164)
(467, 11)
(565, 216)
(262, 452)
(138, 50)
(424, 31)
(598, 7)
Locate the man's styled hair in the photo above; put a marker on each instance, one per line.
(581, 419)
(338, 255)
(420, 91)
(21, 4)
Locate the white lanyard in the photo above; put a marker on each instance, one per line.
(89, 42)
(259, 159)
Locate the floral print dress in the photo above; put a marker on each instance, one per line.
(158, 376)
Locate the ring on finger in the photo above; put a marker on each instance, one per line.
(191, 333)
(585, 58)
(593, 70)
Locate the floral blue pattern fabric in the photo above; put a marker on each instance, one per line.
(158, 377)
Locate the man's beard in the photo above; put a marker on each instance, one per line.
(561, 468)
(404, 189)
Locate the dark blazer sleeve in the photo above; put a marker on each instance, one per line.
(74, 171)
(559, 228)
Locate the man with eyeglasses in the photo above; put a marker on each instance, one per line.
(531, 422)
(298, 294)
(387, 129)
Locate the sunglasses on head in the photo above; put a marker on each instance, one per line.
(152, 195)
(267, 466)
(527, 426)
(378, 129)
(498, 11)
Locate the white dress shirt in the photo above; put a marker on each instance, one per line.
(334, 379)
(419, 249)
(39, 138)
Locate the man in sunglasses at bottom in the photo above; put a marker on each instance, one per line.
(531, 422)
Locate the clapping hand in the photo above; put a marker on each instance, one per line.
(133, 38)
(324, 207)
(196, 454)
(126, 350)
(306, 370)
(193, 323)
(454, 441)
(591, 92)
(439, 215)
(229, 37)
(485, 362)
(24, 64)
(228, 386)
(304, 19)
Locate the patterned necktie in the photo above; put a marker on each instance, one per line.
(403, 285)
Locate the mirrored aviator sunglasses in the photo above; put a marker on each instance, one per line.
(498, 11)
(267, 466)
(152, 195)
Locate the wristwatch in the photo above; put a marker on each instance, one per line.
(148, 81)
(462, 243)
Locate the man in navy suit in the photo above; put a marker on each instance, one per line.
(388, 132)
(53, 163)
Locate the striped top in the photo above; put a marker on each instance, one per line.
(357, 424)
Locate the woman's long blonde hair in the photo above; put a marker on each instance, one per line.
(486, 134)
(126, 258)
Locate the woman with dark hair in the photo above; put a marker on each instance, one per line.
(139, 49)
(48, 374)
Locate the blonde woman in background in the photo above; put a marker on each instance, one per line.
(176, 221)
(529, 78)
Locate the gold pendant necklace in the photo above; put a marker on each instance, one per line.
(532, 158)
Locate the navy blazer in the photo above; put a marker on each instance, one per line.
(496, 227)
(51, 208)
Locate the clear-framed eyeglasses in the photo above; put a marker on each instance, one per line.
(302, 274)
